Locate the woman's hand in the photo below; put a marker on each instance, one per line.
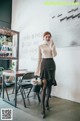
(37, 73)
(51, 44)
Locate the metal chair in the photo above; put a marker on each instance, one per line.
(8, 85)
(25, 84)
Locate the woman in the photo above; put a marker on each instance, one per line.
(46, 68)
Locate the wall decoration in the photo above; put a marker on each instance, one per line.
(70, 11)
(53, 17)
(79, 16)
(75, 16)
(75, 9)
(59, 15)
(63, 18)
(68, 17)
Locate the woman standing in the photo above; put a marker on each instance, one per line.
(46, 68)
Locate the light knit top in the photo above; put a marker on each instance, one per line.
(46, 50)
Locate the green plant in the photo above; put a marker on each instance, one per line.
(12, 65)
(1, 69)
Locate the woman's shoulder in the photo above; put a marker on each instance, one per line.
(41, 45)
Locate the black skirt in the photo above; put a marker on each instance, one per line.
(47, 71)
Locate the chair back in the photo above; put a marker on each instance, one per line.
(28, 75)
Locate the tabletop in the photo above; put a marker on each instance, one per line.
(12, 73)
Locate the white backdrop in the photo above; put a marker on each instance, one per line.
(31, 19)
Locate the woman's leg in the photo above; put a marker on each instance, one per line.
(48, 95)
(43, 94)
(50, 92)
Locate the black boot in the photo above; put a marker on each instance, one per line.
(43, 114)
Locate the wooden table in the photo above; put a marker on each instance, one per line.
(16, 74)
(11, 72)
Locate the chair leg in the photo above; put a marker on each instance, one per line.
(0, 92)
(13, 90)
(7, 94)
(24, 93)
(18, 87)
(0, 89)
(29, 92)
(23, 97)
(37, 93)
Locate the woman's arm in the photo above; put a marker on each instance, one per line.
(53, 48)
(54, 52)
(37, 72)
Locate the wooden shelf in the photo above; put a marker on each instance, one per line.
(8, 58)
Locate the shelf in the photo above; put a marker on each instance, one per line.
(8, 58)
(9, 50)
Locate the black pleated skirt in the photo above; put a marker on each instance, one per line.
(47, 72)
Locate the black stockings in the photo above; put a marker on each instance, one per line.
(44, 87)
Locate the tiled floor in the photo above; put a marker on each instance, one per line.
(60, 110)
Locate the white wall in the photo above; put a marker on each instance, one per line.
(31, 19)
(68, 74)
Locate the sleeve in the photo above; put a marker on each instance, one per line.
(37, 72)
(53, 48)
(54, 52)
